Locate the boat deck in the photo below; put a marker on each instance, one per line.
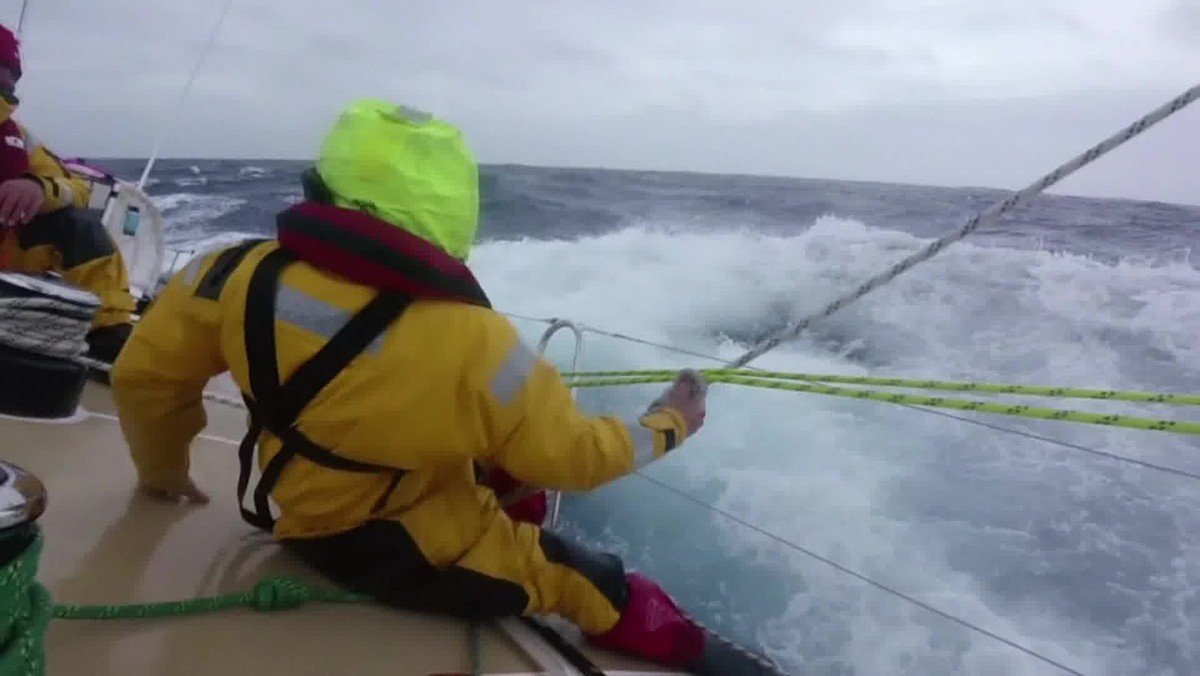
(107, 545)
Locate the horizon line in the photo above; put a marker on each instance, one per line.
(693, 172)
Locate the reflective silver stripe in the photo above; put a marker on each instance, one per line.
(511, 377)
(643, 443)
(312, 314)
(192, 270)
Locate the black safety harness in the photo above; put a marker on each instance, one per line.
(275, 406)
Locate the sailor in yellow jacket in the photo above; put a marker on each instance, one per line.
(44, 223)
(380, 382)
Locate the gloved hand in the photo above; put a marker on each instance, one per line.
(688, 395)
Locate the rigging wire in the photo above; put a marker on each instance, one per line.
(187, 87)
(863, 578)
(992, 213)
(982, 423)
(21, 18)
(840, 567)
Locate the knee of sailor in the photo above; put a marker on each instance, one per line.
(602, 570)
(77, 235)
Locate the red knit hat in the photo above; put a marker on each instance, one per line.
(10, 51)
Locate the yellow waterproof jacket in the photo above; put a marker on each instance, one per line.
(69, 241)
(61, 187)
(446, 386)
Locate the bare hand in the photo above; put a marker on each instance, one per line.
(20, 199)
(688, 395)
(190, 492)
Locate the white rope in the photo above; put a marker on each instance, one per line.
(992, 213)
(187, 87)
(21, 18)
(45, 326)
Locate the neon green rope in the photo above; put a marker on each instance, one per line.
(26, 610)
(923, 384)
(1017, 410)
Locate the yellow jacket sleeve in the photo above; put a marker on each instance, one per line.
(159, 378)
(61, 186)
(541, 437)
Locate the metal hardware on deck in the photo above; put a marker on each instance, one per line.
(555, 325)
(22, 496)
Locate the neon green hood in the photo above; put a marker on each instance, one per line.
(404, 167)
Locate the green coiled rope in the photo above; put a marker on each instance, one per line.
(26, 609)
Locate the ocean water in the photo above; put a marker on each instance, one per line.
(1091, 562)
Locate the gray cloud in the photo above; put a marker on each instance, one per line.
(954, 92)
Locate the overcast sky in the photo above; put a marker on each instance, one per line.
(950, 92)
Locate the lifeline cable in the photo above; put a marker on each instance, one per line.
(863, 578)
(518, 495)
(985, 217)
(1024, 434)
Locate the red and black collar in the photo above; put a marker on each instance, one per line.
(369, 251)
